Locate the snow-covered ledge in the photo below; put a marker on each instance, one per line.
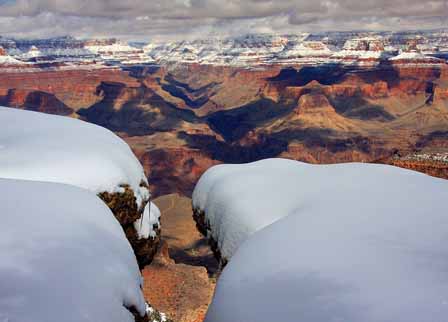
(348, 242)
(41, 147)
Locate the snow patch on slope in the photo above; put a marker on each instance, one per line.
(412, 56)
(8, 60)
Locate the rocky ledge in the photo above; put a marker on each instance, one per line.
(433, 164)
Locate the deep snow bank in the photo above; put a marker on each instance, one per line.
(351, 242)
(63, 257)
(41, 147)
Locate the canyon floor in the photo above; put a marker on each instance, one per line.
(181, 280)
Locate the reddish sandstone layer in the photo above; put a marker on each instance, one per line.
(181, 291)
(174, 170)
(435, 169)
(75, 88)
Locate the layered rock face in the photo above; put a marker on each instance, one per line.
(74, 88)
(35, 101)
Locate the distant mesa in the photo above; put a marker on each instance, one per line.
(255, 50)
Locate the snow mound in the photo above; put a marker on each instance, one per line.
(50, 148)
(63, 257)
(239, 200)
(351, 242)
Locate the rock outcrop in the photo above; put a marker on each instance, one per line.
(181, 291)
(204, 227)
(125, 208)
(35, 101)
(431, 163)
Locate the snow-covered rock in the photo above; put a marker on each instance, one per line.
(33, 52)
(63, 257)
(238, 200)
(350, 242)
(44, 147)
(415, 57)
(51, 53)
(50, 148)
(114, 50)
(365, 44)
(307, 49)
(8, 60)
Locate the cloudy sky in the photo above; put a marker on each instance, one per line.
(180, 19)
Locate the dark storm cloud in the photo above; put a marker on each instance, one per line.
(140, 19)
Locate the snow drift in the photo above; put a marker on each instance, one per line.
(63, 257)
(51, 148)
(351, 242)
(42, 147)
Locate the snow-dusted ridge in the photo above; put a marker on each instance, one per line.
(349, 242)
(305, 49)
(352, 48)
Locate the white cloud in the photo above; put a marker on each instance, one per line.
(143, 19)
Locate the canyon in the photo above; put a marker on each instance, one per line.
(186, 106)
(182, 119)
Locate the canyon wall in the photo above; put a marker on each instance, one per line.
(182, 119)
